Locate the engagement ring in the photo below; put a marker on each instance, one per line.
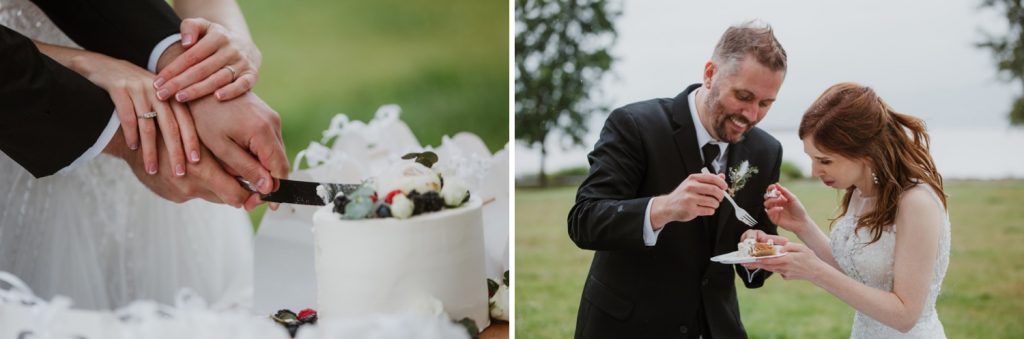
(147, 115)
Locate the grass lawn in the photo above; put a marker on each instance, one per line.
(982, 295)
(445, 63)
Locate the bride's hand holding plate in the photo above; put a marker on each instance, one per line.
(799, 263)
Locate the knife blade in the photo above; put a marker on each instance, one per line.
(299, 192)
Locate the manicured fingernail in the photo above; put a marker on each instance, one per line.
(261, 183)
(186, 39)
(133, 146)
(151, 169)
(162, 94)
(158, 82)
(179, 170)
(195, 156)
(181, 96)
(218, 95)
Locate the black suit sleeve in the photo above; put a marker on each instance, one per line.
(123, 29)
(765, 224)
(608, 215)
(49, 115)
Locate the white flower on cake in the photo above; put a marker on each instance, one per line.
(454, 192)
(499, 303)
(401, 206)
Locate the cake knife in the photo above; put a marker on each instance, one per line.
(299, 192)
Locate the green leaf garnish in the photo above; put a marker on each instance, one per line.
(427, 158)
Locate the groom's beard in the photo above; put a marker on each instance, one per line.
(721, 119)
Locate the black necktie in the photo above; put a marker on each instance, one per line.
(710, 154)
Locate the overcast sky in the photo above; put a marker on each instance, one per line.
(918, 55)
(921, 59)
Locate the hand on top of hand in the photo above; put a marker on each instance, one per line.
(216, 61)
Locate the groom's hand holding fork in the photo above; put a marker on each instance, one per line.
(698, 195)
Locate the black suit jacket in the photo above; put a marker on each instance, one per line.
(49, 115)
(665, 291)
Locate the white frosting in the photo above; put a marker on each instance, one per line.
(408, 176)
(385, 265)
(746, 246)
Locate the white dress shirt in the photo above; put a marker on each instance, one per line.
(703, 137)
(114, 123)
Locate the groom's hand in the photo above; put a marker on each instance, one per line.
(696, 196)
(245, 135)
(206, 179)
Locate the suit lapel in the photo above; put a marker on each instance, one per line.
(685, 136)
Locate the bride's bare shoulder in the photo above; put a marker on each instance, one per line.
(918, 210)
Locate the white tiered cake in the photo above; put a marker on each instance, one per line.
(392, 265)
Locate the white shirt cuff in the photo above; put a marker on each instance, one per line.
(650, 235)
(101, 143)
(164, 44)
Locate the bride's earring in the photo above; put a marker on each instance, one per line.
(874, 178)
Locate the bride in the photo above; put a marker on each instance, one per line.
(889, 247)
(99, 236)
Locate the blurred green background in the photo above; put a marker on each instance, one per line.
(445, 64)
(982, 295)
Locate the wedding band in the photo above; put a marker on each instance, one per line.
(147, 115)
(232, 70)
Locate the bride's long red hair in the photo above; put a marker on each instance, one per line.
(852, 121)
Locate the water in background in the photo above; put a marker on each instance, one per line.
(982, 153)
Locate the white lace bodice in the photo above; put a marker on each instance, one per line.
(872, 265)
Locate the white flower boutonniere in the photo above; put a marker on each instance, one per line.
(739, 176)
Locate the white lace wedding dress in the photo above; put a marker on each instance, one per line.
(872, 265)
(103, 239)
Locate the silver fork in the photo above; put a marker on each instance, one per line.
(741, 214)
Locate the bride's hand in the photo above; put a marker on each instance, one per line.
(130, 88)
(799, 263)
(785, 210)
(217, 61)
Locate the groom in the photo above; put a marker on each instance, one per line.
(654, 220)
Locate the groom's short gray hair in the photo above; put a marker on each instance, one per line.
(750, 38)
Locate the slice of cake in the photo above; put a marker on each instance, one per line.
(752, 248)
(407, 238)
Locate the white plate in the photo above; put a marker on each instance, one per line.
(735, 257)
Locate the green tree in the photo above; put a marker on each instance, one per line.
(1008, 51)
(562, 52)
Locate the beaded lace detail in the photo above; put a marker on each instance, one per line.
(872, 265)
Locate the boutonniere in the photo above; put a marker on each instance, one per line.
(740, 175)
